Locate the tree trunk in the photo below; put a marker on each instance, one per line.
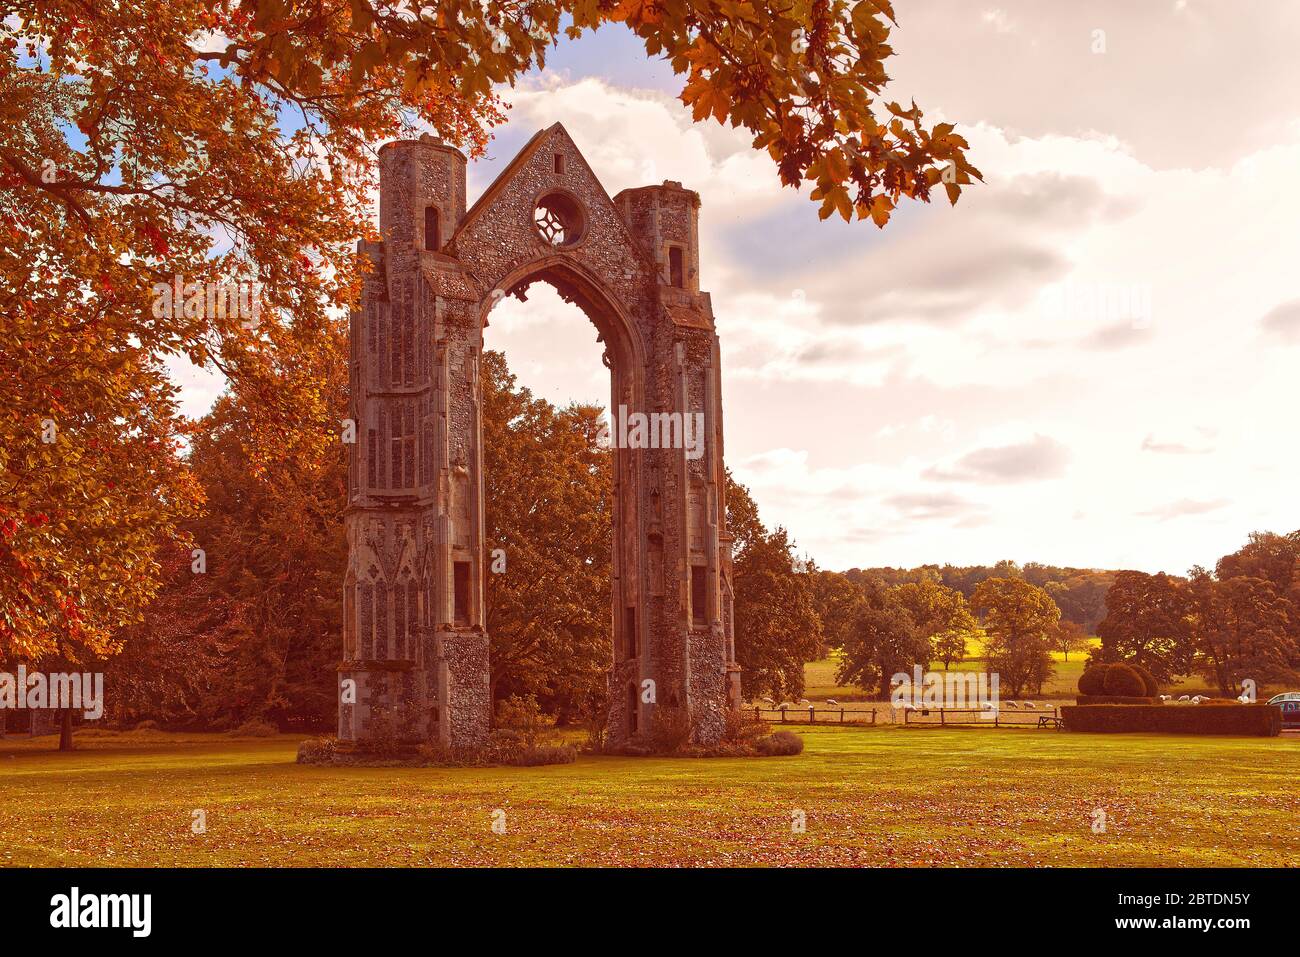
(65, 731)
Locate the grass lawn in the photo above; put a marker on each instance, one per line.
(889, 796)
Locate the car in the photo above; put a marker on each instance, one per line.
(1285, 696)
(1290, 713)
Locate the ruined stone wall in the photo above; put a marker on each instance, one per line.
(415, 479)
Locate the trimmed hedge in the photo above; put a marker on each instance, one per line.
(1093, 680)
(1092, 699)
(1253, 719)
(1148, 679)
(1123, 681)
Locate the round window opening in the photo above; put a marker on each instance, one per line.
(558, 219)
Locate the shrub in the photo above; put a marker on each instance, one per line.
(742, 727)
(1122, 680)
(1148, 679)
(670, 729)
(779, 743)
(1254, 719)
(317, 750)
(1093, 679)
(256, 728)
(504, 746)
(524, 717)
(146, 725)
(596, 721)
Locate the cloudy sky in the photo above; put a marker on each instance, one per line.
(1092, 360)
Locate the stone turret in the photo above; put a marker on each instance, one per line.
(666, 221)
(422, 200)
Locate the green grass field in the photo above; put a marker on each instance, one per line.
(820, 683)
(889, 796)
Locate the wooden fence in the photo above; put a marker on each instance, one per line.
(809, 715)
(1046, 718)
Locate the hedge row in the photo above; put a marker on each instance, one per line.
(1255, 719)
(1119, 680)
(1091, 699)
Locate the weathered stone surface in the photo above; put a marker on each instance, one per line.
(414, 638)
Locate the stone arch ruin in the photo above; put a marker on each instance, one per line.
(415, 656)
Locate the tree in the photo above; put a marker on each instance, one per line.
(548, 512)
(1268, 556)
(941, 615)
(1081, 595)
(262, 601)
(951, 643)
(1018, 617)
(1068, 636)
(1240, 628)
(90, 474)
(274, 470)
(837, 600)
(172, 665)
(883, 642)
(1275, 559)
(776, 624)
(1147, 622)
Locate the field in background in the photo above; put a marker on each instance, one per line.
(889, 796)
(820, 683)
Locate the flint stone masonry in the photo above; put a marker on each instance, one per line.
(415, 646)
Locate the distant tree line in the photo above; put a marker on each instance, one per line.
(1239, 623)
(1080, 593)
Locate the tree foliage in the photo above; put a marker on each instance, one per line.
(548, 510)
(942, 617)
(267, 602)
(1241, 629)
(837, 601)
(776, 624)
(1147, 621)
(1019, 619)
(1080, 593)
(209, 142)
(884, 640)
(1068, 636)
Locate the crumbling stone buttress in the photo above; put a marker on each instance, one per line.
(415, 647)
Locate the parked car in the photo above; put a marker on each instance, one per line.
(1290, 713)
(1284, 696)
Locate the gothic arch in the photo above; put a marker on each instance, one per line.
(631, 264)
(577, 284)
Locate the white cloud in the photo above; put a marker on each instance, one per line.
(857, 362)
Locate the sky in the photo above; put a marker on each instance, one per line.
(1092, 360)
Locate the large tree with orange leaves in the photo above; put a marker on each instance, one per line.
(155, 143)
